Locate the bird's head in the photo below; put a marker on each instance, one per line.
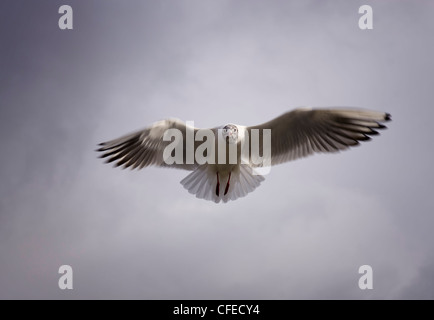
(230, 133)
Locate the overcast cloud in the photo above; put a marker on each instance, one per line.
(303, 233)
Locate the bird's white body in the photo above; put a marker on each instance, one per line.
(224, 180)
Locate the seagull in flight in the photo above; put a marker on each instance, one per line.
(295, 134)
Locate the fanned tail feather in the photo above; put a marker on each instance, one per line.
(202, 183)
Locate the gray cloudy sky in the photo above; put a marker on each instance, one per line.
(302, 234)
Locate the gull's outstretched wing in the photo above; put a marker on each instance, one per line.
(145, 147)
(304, 131)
